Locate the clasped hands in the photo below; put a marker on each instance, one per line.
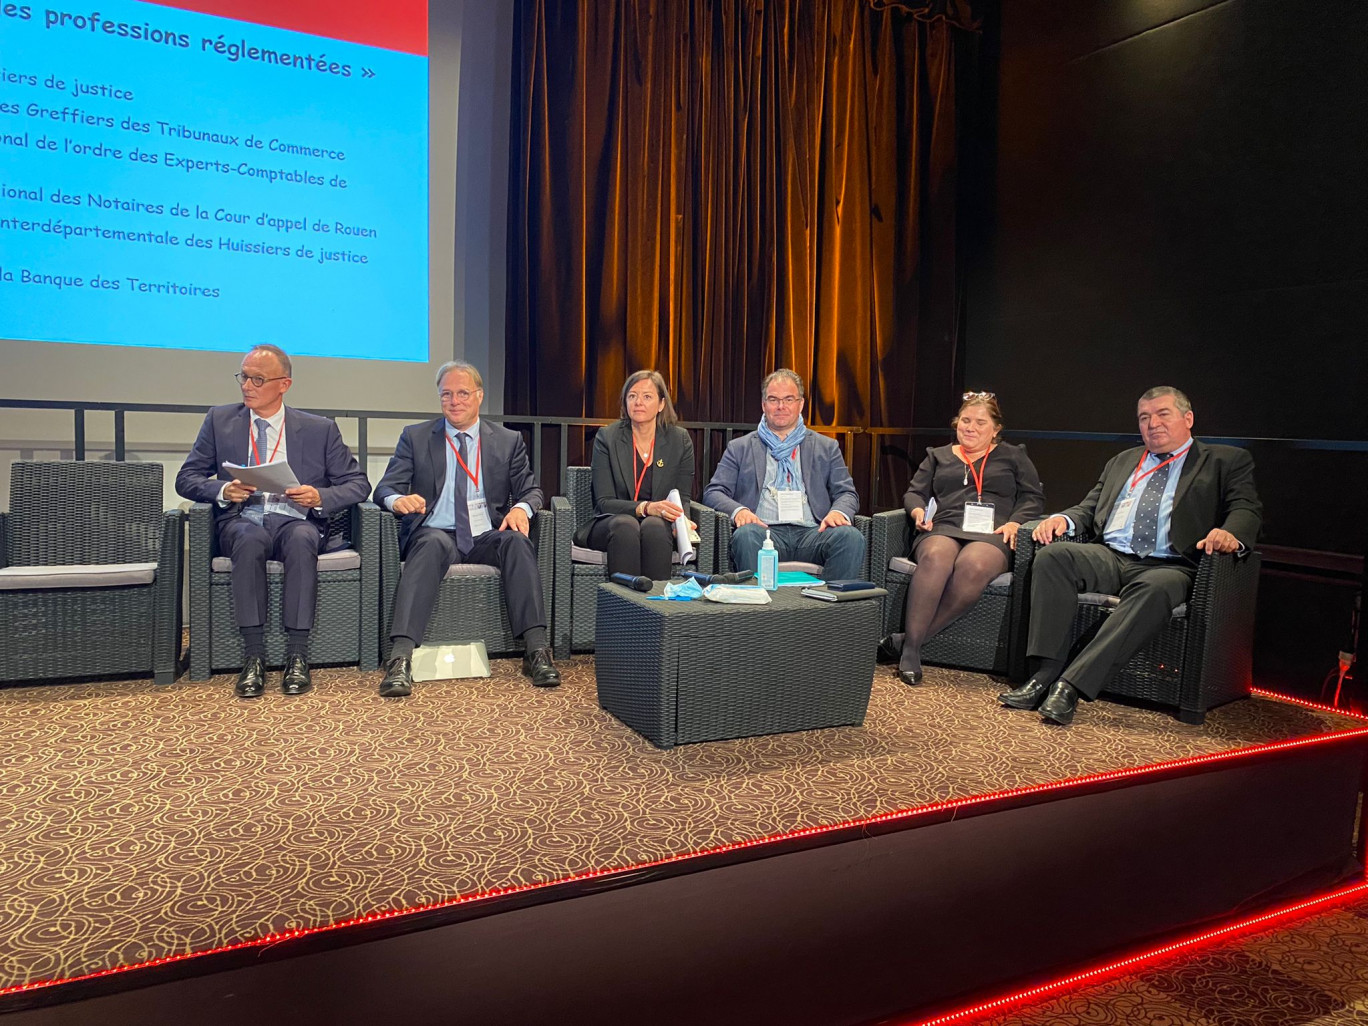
(834, 518)
(304, 495)
(667, 511)
(1008, 530)
(516, 520)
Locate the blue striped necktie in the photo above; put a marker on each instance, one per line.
(1145, 530)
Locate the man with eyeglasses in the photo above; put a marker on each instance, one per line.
(291, 528)
(793, 483)
(451, 480)
(1139, 534)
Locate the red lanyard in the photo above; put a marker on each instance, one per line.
(279, 438)
(789, 470)
(1135, 480)
(645, 466)
(475, 477)
(978, 474)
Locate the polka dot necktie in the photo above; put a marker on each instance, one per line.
(1145, 530)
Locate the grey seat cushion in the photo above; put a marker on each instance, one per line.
(594, 557)
(794, 566)
(81, 575)
(1093, 598)
(471, 570)
(903, 565)
(341, 559)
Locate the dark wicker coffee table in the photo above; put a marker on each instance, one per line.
(679, 672)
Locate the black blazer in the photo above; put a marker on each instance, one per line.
(418, 466)
(313, 448)
(614, 467)
(1216, 489)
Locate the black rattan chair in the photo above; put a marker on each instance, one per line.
(1202, 659)
(470, 603)
(346, 619)
(579, 571)
(91, 576)
(984, 638)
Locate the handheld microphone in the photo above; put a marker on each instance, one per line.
(628, 581)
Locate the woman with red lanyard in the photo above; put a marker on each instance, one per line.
(636, 463)
(984, 490)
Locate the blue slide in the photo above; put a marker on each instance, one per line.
(188, 181)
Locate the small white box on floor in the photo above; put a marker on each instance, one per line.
(450, 662)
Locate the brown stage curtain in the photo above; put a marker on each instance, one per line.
(716, 188)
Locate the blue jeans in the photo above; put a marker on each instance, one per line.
(839, 550)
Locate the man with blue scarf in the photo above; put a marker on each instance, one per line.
(785, 479)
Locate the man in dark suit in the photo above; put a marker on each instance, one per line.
(793, 483)
(1155, 509)
(451, 479)
(252, 528)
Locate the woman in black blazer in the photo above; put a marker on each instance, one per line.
(984, 490)
(636, 462)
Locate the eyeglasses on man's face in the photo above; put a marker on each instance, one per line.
(463, 395)
(783, 400)
(257, 379)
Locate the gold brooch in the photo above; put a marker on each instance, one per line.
(660, 463)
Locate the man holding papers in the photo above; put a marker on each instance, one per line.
(253, 525)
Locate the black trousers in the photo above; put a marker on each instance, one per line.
(636, 547)
(1149, 590)
(432, 550)
(296, 543)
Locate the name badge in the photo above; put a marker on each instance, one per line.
(479, 517)
(1120, 513)
(790, 506)
(978, 517)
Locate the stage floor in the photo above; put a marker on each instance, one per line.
(144, 822)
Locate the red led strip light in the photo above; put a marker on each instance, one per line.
(803, 832)
(1250, 925)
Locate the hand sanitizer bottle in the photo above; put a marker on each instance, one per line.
(769, 565)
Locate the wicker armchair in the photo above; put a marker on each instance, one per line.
(91, 573)
(470, 602)
(579, 572)
(1202, 659)
(984, 638)
(346, 619)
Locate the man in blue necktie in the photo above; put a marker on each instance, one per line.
(792, 483)
(465, 491)
(291, 528)
(1154, 511)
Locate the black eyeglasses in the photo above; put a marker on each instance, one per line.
(257, 379)
(978, 395)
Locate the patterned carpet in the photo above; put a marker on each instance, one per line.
(141, 822)
(1312, 972)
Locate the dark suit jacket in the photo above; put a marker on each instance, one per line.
(313, 446)
(1216, 489)
(741, 474)
(418, 466)
(615, 466)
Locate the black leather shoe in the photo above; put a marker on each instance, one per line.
(541, 669)
(1028, 696)
(889, 650)
(398, 682)
(1059, 707)
(910, 676)
(251, 682)
(296, 680)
